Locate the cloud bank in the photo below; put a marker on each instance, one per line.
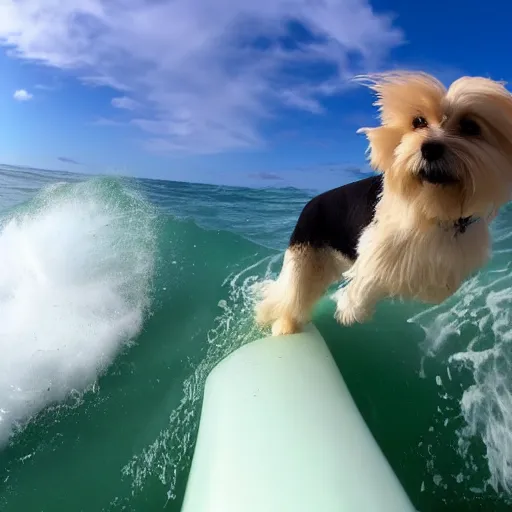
(206, 73)
(266, 176)
(67, 160)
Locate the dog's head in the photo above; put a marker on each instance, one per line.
(446, 151)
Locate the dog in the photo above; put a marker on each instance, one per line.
(420, 226)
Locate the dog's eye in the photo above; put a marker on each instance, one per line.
(469, 127)
(419, 122)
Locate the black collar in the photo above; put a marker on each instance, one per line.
(461, 224)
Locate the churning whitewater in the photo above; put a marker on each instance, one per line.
(75, 273)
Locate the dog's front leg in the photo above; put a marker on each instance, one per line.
(355, 303)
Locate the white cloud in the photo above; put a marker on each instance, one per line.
(304, 101)
(22, 95)
(104, 121)
(124, 102)
(206, 71)
(47, 87)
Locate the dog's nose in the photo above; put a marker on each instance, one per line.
(432, 150)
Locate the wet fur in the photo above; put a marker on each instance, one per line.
(408, 246)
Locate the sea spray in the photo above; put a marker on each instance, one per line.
(472, 335)
(76, 265)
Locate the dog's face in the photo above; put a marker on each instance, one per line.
(446, 151)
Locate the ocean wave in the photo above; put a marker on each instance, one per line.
(87, 267)
(471, 335)
(263, 216)
(76, 264)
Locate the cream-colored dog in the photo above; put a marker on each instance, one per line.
(418, 229)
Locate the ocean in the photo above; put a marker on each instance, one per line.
(119, 295)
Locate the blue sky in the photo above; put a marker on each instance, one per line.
(222, 91)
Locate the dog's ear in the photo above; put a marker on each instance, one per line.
(383, 141)
(399, 95)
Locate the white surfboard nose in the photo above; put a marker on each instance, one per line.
(280, 432)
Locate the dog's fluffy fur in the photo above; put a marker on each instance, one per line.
(419, 228)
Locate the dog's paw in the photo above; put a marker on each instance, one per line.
(285, 325)
(347, 313)
(346, 316)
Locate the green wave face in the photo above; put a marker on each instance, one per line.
(117, 297)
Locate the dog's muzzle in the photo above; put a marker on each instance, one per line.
(434, 169)
(437, 175)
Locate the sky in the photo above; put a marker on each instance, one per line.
(222, 91)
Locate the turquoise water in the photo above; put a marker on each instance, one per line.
(118, 296)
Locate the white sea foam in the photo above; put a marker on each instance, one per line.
(479, 319)
(75, 271)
